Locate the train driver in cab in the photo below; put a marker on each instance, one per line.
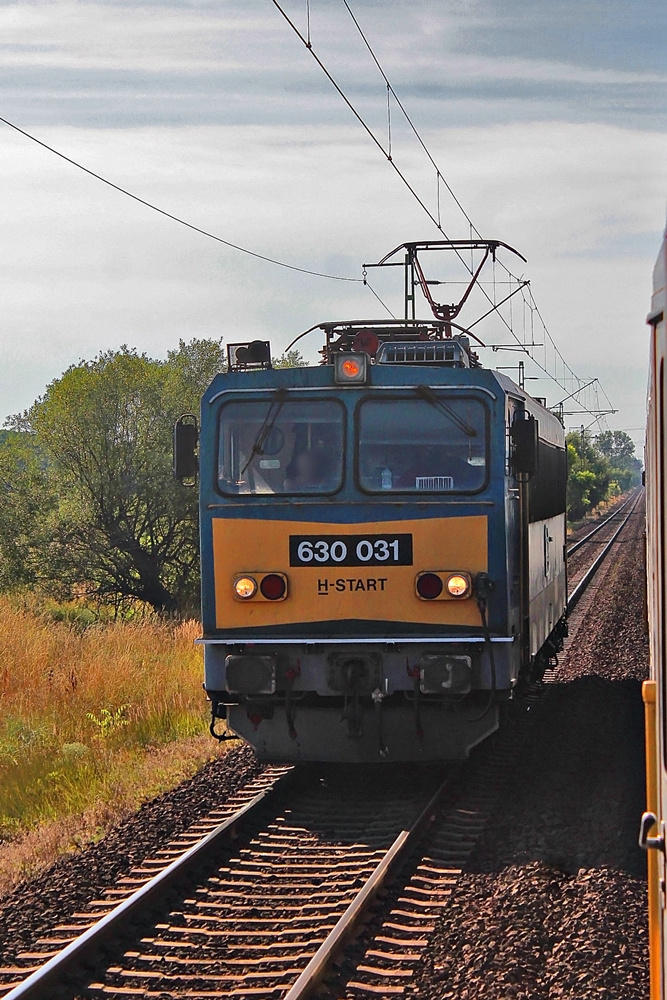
(310, 469)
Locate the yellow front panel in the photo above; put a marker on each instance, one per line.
(332, 593)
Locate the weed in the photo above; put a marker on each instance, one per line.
(109, 721)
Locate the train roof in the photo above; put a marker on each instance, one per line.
(393, 354)
(659, 294)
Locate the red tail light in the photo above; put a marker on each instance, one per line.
(429, 586)
(273, 587)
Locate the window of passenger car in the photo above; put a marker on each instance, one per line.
(432, 443)
(278, 446)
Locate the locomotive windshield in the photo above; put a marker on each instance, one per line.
(278, 446)
(434, 443)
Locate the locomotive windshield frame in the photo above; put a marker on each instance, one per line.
(431, 456)
(283, 446)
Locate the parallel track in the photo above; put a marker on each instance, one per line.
(585, 579)
(601, 524)
(262, 898)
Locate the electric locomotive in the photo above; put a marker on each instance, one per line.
(382, 541)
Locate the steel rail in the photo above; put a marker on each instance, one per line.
(578, 591)
(322, 960)
(39, 984)
(334, 941)
(582, 541)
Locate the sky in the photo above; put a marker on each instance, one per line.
(547, 118)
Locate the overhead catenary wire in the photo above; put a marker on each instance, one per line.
(381, 301)
(356, 114)
(390, 89)
(189, 225)
(437, 219)
(473, 228)
(307, 42)
(387, 153)
(170, 215)
(440, 177)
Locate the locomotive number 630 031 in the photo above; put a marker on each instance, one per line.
(350, 550)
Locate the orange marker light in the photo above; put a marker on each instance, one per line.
(443, 585)
(350, 369)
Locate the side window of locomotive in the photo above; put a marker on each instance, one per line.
(281, 447)
(432, 445)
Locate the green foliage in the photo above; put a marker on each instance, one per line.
(599, 469)
(26, 511)
(109, 721)
(619, 450)
(90, 508)
(290, 359)
(75, 614)
(95, 508)
(20, 739)
(581, 483)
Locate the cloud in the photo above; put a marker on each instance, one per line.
(110, 64)
(214, 111)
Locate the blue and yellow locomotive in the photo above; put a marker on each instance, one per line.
(383, 544)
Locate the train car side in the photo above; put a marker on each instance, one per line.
(652, 834)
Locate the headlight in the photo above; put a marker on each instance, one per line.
(245, 587)
(458, 585)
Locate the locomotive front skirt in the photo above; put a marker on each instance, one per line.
(379, 569)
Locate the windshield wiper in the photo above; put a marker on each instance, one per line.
(268, 423)
(426, 393)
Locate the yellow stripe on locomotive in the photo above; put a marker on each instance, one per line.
(321, 589)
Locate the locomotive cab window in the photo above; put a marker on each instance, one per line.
(434, 443)
(277, 446)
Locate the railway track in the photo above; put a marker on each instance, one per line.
(288, 871)
(587, 576)
(601, 524)
(579, 553)
(264, 897)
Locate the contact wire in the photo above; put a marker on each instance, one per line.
(170, 215)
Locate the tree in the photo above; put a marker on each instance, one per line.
(616, 445)
(589, 476)
(598, 468)
(190, 369)
(26, 511)
(290, 359)
(618, 448)
(124, 527)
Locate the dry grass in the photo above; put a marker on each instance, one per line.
(37, 848)
(94, 721)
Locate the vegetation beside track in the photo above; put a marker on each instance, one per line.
(91, 506)
(600, 468)
(96, 719)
